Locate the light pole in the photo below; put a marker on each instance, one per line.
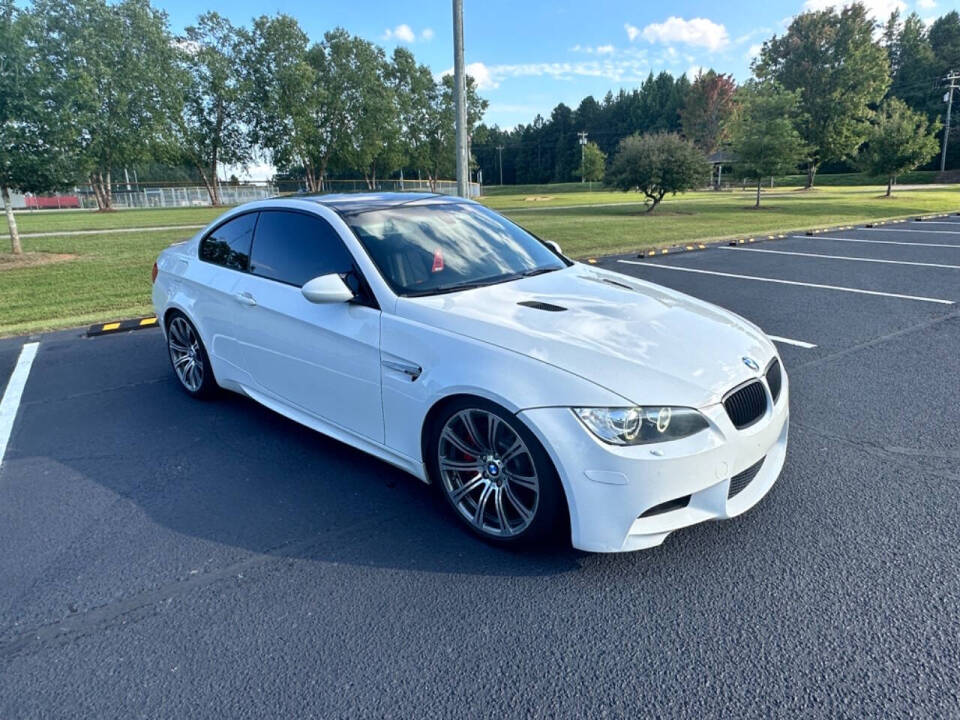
(952, 78)
(460, 91)
(583, 144)
(500, 154)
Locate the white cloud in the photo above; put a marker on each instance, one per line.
(427, 34)
(628, 68)
(694, 71)
(926, 4)
(480, 73)
(633, 32)
(879, 9)
(700, 32)
(591, 50)
(401, 33)
(753, 51)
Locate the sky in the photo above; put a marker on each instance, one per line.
(530, 55)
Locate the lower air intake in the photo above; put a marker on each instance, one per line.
(668, 506)
(740, 481)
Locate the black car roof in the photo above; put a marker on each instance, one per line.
(355, 203)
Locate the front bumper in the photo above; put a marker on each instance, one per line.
(610, 487)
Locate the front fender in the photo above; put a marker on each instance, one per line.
(452, 364)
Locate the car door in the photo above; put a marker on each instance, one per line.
(224, 253)
(323, 359)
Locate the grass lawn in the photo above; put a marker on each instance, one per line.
(29, 221)
(617, 222)
(109, 279)
(109, 275)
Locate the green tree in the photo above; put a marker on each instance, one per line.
(831, 59)
(34, 134)
(360, 105)
(212, 128)
(944, 37)
(708, 108)
(283, 95)
(899, 140)
(414, 92)
(763, 137)
(593, 164)
(440, 156)
(913, 66)
(118, 79)
(656, 165)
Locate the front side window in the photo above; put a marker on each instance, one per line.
(445, 247)
(229, 244)
(293, 248)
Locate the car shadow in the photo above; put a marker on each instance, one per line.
(235, 473)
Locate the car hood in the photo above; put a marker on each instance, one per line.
(644, 342)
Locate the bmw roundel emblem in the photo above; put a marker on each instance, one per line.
(750, 363)
(493, 469)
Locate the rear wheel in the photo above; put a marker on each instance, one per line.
(188, 357)
(495, 474)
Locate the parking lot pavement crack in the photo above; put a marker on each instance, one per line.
(912, 458)
(873, 342)
(132, 609)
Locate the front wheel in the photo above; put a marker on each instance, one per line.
(189, 358)
(496, 475)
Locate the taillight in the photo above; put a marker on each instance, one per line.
(153, 273)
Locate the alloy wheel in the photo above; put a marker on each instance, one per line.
(488, 472)
(185, 353)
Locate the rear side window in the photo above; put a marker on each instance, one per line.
(229, 244)
(294, 247)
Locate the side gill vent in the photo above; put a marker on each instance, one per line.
(538, 305)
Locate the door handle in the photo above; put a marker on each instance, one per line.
(409, 369)
(245, 298)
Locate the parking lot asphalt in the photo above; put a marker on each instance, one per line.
(164, 557)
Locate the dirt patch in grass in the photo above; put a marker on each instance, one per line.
(537, 198)
(9, 261)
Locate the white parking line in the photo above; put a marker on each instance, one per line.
(790, 282)
(939, 222)
(900, 230)
(840, 257)
(790, 341)
(11, 397)
(877, 242)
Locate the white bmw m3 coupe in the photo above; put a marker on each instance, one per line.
(538, 394)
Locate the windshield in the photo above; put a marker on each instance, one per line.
(445, 247)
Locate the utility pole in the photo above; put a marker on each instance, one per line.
(952, 79)
(460, 91)
(500, 153)
(583, 144)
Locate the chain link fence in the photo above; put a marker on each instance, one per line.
(142, 196)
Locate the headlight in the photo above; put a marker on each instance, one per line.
(640, 425)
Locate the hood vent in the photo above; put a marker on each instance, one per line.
(538, 305)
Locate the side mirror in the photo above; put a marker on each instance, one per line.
(327, 289)
(554, 246)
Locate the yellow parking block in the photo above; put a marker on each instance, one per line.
(111, 326)
(148, 321)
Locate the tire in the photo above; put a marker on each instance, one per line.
(505, 489)
(188, 357)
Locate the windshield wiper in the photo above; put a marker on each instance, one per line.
(441, 289)
(538, 271)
